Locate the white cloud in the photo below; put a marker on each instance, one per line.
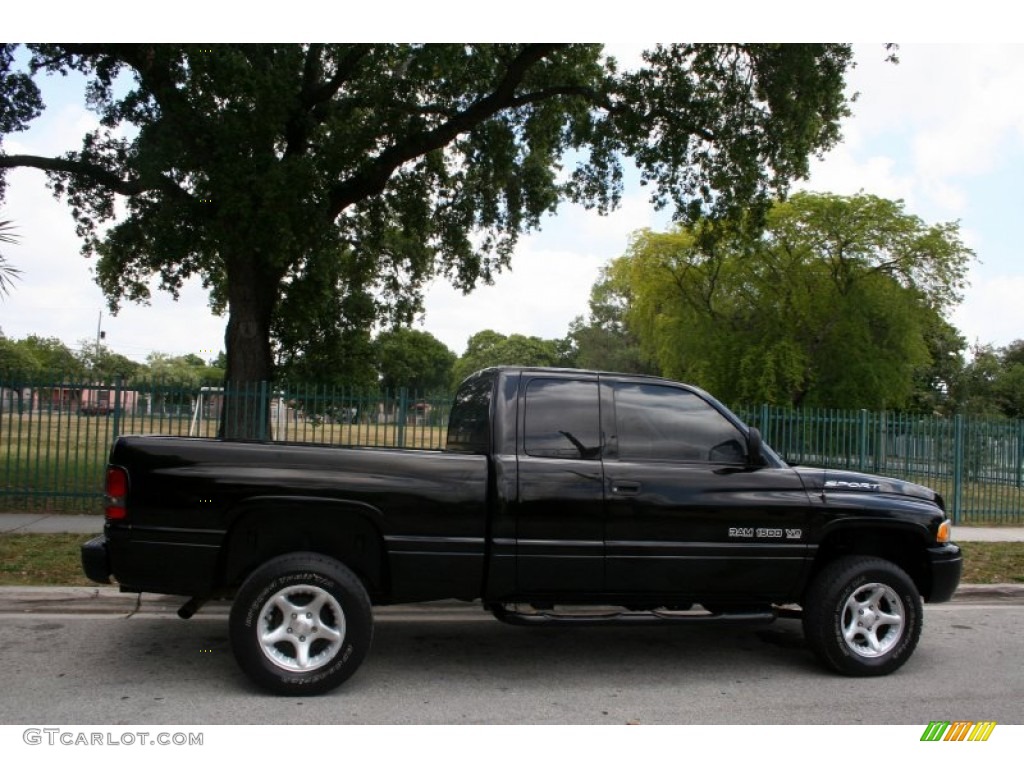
(549, 283)
(991, 314)
(843, 173)
(539, 296)
(942, 115)
(58, 296)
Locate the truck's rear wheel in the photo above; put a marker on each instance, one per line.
(862, 616)
(301, 624)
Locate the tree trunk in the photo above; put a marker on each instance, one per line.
(250, 364)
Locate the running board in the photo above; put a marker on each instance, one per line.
(624, 618)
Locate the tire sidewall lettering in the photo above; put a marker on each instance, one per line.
(311, 678)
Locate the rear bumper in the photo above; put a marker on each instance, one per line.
(96, 560)
(945, 563)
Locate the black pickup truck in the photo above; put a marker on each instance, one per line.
(563, 496)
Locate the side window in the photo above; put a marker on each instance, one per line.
(562, 419)
(469, 427)
(669, 424)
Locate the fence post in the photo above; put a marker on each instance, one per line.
(765, 423)
(882, 443)
(264, 406)
(862, 458)
(1020, 451)
(403, 407)
(118, 382)
(958, 466)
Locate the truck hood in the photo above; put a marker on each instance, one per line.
(817, 480)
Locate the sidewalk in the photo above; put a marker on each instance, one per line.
(26, 522)
(84, 524)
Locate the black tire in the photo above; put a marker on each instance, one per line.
(296, 652)
(862, 616)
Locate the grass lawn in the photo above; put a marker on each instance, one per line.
(42, 559)
(52, 559)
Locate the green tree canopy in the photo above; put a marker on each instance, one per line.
(991, 384)
(604, 341)
(830, 305)
(100, 363)
(52, 356)
(412, 359)
(283, 174)
(189, 370)
(488, 348)
(15, 359)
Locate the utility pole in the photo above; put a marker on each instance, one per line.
(99, 335)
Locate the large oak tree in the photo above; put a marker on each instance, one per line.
(303, 181)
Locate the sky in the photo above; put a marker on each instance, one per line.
(943, 130)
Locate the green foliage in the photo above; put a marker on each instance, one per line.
(189, 370)
(935, 383)
(50, 356)
(50, 359)
(833, 303)
(101, 364)
(604, 340)
(413, 359)
(992, 383)
(488, 348)
(15, 359)
(318, 187)
(1009, 383)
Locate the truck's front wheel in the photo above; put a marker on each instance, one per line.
(862, 616)
(301, 624)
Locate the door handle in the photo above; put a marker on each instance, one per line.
(625, 487)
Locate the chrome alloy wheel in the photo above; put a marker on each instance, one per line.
(301, 628)
(873, 620)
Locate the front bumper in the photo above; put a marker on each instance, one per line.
(96, 560)
(945, 564)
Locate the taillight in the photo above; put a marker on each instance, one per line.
(117, 493)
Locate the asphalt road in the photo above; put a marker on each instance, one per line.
(447, 664)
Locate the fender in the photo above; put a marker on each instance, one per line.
(263, 527)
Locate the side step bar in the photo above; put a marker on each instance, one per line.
(627, 618)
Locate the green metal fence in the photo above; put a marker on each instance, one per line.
(55, 434)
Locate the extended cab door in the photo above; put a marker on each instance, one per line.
(687, 515)
(559, 511)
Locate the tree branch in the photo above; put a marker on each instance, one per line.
(374, 177)
(315, 94)
(100, 175)
(311, 96)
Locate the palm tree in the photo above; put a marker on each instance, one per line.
(8, 273)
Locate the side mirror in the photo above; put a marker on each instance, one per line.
(754, 458)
